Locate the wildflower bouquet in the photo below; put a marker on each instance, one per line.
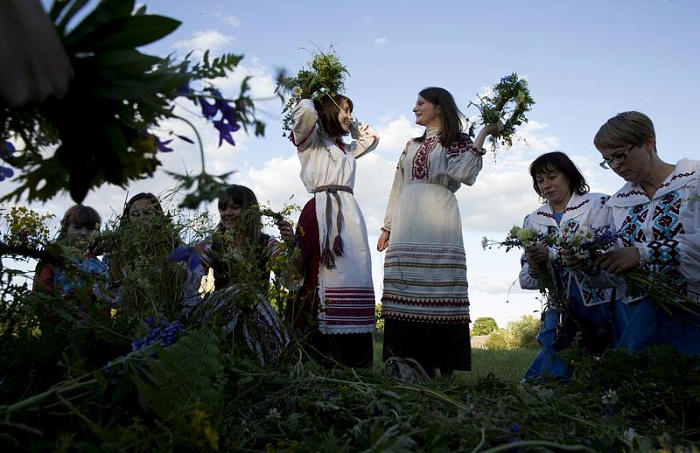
(548, 276)
(587, 244)
(325, 76)
(517, 237)
(509, 101)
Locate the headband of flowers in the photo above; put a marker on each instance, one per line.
(324, 76)
(509, 101)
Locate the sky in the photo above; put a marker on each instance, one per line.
(584, 61)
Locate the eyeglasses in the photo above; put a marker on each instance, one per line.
(616, 159)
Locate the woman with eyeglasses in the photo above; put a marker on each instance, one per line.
(657, 215)
(582, 309)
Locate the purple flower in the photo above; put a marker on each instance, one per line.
(208, 110)
(6, 172)
(225, 128)
(226, 124)
(165, 334)
(7, 150)
(187, 255)
(161, 145)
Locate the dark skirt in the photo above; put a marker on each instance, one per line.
(434, 345)
(354, 349)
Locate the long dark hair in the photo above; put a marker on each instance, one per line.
(328, 109)
(450, 115)
(141, 196)
(251, 222)
(558, 161)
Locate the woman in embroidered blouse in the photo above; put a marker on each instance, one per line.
(335, 305)
(584, 308)
(425, 302)
(657, 212)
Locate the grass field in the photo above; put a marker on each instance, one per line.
(505, 365)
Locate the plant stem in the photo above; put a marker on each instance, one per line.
(199, 139)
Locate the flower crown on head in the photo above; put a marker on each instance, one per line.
(325, 76)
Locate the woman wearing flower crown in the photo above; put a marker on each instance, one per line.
(582, 309)
(335, 306)
(425, 302)
(657, 215)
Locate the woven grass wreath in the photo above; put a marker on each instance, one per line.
(509, 101)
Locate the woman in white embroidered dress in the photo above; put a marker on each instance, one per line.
(586, 309)
(657, 212)
(425, 302)
(335, 306)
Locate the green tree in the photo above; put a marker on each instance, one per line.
(484, 326)
(521, 334)
(524, 332)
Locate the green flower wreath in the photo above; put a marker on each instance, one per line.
(510, 96)
(325, 77)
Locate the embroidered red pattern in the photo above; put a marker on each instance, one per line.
(420, 160)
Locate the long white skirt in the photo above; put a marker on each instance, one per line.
(425, 269)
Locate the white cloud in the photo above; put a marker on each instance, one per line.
(202, 41)
(229, 19)
(394, 134)
(381, 41)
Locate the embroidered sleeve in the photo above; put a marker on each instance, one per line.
(396, 189)
(305, 124)
(676, 243)
(365, 139)
(464, 161)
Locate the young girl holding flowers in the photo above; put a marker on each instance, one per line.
(239, 254)
(573, 305)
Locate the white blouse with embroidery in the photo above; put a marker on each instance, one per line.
(581, 212)
(430, 162)
(665, 229)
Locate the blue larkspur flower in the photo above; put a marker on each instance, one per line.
(226, 124)
(7, 150)
(164, 334)
(186, 254)
(225, 129)
(208, 110)
(162, 145)
(6, 172)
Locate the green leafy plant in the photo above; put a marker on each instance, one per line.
(108, 127)
(325, 76)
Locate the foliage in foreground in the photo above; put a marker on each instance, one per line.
(201, 392)
(75, 378)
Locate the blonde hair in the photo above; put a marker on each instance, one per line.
(624, 129)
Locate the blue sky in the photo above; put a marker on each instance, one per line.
(585, 61)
